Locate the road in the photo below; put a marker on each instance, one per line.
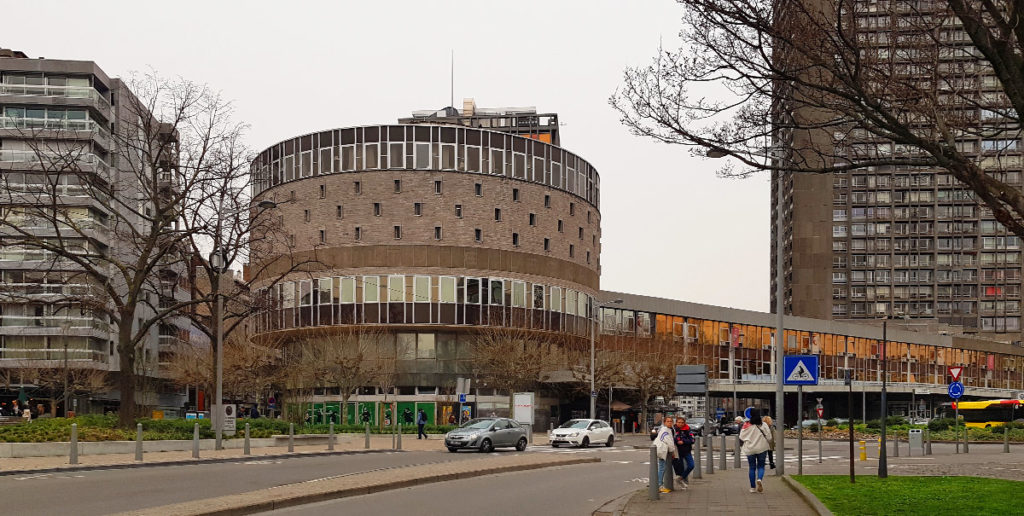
(566, 491)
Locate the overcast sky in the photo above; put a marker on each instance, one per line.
(670, 227)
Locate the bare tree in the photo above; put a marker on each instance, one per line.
(609, 370)
(385, 373)
(514, 359)
(62, 383)
(251, 366)
(651, 374)
(840, 85)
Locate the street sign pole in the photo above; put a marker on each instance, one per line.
(849, 416)
(820, 411)
(800, 430)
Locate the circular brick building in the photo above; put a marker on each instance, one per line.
(430, 231)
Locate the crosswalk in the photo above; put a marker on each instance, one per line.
(602, 449)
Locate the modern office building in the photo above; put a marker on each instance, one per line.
(58, 125)
(906, 241)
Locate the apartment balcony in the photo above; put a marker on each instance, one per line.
(49, 324)
(49, 291)
(36, 357)
(57, 128)
(57, 96)
(52, 161)
(170, 344)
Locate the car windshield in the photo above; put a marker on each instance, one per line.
(697, 421)
(575, 423)
(478, 424)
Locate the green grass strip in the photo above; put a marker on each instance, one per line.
(915, 495)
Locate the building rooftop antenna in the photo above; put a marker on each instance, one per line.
(452, 98)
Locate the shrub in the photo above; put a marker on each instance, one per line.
(895, 421)
(938, 425)
(874, 424)
(832, 422)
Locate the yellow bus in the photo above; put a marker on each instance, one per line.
(988, 413)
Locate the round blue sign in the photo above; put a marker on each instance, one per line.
(956, 389)
(746, 413)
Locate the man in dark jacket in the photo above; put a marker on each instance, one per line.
(421, 421)
(683, 464)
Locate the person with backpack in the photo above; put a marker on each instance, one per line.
(665, 444)
(771, 442)
(683, 464)
(756, 437)
(421, 421)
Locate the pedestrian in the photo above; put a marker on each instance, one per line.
(756, 437)
(683, 464)
(406, 416)
(421, 421)
(451, 419)
(665, 444)
(771, 442)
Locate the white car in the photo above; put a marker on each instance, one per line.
(583, 433)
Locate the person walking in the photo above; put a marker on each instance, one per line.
(756, 437)
(665, 443)
(421, 421)
(771, 442)
(683, 464)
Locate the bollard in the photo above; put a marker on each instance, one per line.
(652, 476)
(138, 442)
(966, 446)
(1006, 439)
(895, 444)
(330, 436)
(399, 437)
(669, 478)
(245, 448)
(696, 459)
(73, 458)
(195, 441)
(367, 444)
(736, 454)
(863, 451)
(721, 459)
(291, 437)
(928, 441)
(711, 454)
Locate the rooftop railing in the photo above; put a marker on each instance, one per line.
(74, 92)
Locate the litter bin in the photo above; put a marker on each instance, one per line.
(916, 438)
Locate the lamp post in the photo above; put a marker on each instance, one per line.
(65, 325)
(593, 390)
(774, 154)
(219, 263)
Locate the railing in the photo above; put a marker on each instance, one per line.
(8, 122)
(52, 159)
(74, 92)
(74, 354)
(53, 321)
(27, 289)
(60, 190)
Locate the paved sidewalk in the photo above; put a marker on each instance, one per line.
(725, 493)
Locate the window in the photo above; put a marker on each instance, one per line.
(497, 296)
(447, 289)
(560, 228)
(398, 185)
(581, 233)
(458, 210)
(572, 250)
(588, 216)
(398, 232)
(293, 195)
(533, 219)
(556, 299)
(323, 191)
(497, 214)
(357, 187)
(376, 209)
(323, 236)
(572, 208)
(421, 289)
(478, 189)
(425, 346)
(547, 201)
(359, 233)
(371, 289)
(437, 232)
(338, 211)
(515, 239)
(305, 215)
(437, 187)
(417, 208)
(396, 289)
(547, 244)
(515, 195)
(588, 256)
(348, 290)
(478, 235)
(538, 297)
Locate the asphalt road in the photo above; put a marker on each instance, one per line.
(565, 490)
(107, 491)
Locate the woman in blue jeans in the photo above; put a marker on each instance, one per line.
(755, 437)
(683, 464)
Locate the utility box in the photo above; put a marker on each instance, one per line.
(916, 438)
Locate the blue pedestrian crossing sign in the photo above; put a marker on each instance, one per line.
(462, 398)
(800, 370)
(956, 389)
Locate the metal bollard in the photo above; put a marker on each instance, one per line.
(966, 446)
(138, 442)
(736, 455)
(245, 448)
(863, 451)
(367, 444)
(399, 437)
(721, 459)
(291, 437)
(711, 455)
(652, 476)
(696, 459)
(330, 436)
(1006, 439)
(195, 441)
(927, 442)
(670, 474)
(895, 444)
(73, 458)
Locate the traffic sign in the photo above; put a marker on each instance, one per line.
(821, 412)
(746, 413)
(956, 389)
(593, 394)
(691, 379)
(462, 398)
(800, 370)
(720, 412)
(955, 373)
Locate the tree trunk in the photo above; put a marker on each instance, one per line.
(126, 377)
(344, 408)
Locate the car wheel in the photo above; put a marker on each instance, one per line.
(585, 443)
(553, 445)
(452, 449)
(611, 441)
(486, 446)
(521, 445)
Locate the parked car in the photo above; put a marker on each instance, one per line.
(808, 423)
(702, 426)
(729, 427)
(486, 434)
(582, 433)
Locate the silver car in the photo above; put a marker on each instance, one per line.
(486, 434)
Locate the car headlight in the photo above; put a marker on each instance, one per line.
(472, 437)
(574, 434)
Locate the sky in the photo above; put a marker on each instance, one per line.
(670, 227)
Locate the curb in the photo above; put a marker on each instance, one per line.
(241, 503)
(615, 506)
(184, 462)
(807, 496)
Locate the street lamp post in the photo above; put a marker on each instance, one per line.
(883, 467)
(65, 325)
(593, 390)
